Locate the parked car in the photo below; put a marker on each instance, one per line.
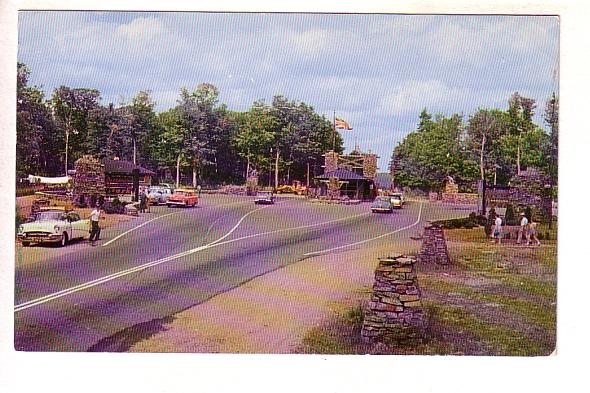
(53, 225)
(396, 200)
(382, 204)
(158, 195)
(264, 198)
(182, 197)
(399, 196)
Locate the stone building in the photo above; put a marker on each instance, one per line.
(354, 173)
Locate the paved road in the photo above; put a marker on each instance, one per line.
(144, 271)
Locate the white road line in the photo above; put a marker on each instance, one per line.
(110, 277)
(157, 218)
(367, 240)
(134, 228)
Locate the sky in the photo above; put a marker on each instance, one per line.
(377, 71)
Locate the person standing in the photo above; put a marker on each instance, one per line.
(142, 202)
(523, 230)
(498, 230)
(199, 191)
(532, 233)
(95, 217)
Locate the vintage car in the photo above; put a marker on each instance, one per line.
(397, 200)
(264, 198)
(399, 197)
(158, 195)
(182, 197)
(382, 204)
(53, 225)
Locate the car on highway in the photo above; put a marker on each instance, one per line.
(158, 195)
(53, 225)
(382, 204)
(397, 200)
(183, 197)
(264, 198)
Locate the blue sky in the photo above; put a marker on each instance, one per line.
(376, 71)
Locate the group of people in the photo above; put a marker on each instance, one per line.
(527, 230)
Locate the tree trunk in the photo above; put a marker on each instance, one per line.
(67, 145)
(247, 168)
(178, 171)
(134, 152)
(518, 157)
(194, 174)
(277, 169)
(481, 163)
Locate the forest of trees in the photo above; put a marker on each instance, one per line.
(492, 144)
(199, 137)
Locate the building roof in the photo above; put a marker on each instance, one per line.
(124, 167)
(342, 174)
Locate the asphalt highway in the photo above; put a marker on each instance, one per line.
(143, 271)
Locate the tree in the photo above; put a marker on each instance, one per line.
(551, 117)
(173, 148)
(70, 109)
(520, 114)
(34, 128)
(484, 130)
(201, 118)
(434, 151)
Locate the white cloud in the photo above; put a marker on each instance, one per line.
(412, 96)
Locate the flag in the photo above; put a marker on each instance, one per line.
(342, 124)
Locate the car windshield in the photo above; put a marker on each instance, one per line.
(396, 197)
(264, 194)
(49, 216)
(382, 199)
(185, 193)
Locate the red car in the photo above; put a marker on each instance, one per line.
(182, 197)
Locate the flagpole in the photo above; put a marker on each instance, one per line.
(334, 134)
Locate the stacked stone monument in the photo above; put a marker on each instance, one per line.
(434, 246)
(395, 313)
(89, 181)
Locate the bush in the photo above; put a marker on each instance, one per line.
(114, 207)
(509, 216)
(528, 213)
(457, 223)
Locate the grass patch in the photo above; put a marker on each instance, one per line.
(475, 235)
(542, 315)
(504, 340)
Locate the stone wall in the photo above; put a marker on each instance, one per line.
(395, 312)
(434, 246)
(459, 198)
(89, 181)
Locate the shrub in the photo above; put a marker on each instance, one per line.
(528, 213)
(510, 217)
(114, 207)
(540, 236)
(547, 237)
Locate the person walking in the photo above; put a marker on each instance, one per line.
(523, 230)
(498, 230)
(95, 217)
(532, 233)
(199, 190)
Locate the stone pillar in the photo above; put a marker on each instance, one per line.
(333, 188)
(89, 181)
(395, 313)
(434, 246)
(369, 165)
(330, 161)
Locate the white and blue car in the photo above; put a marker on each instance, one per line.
(53, 225)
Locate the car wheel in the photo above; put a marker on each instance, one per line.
(26, 244)
(64, 239)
